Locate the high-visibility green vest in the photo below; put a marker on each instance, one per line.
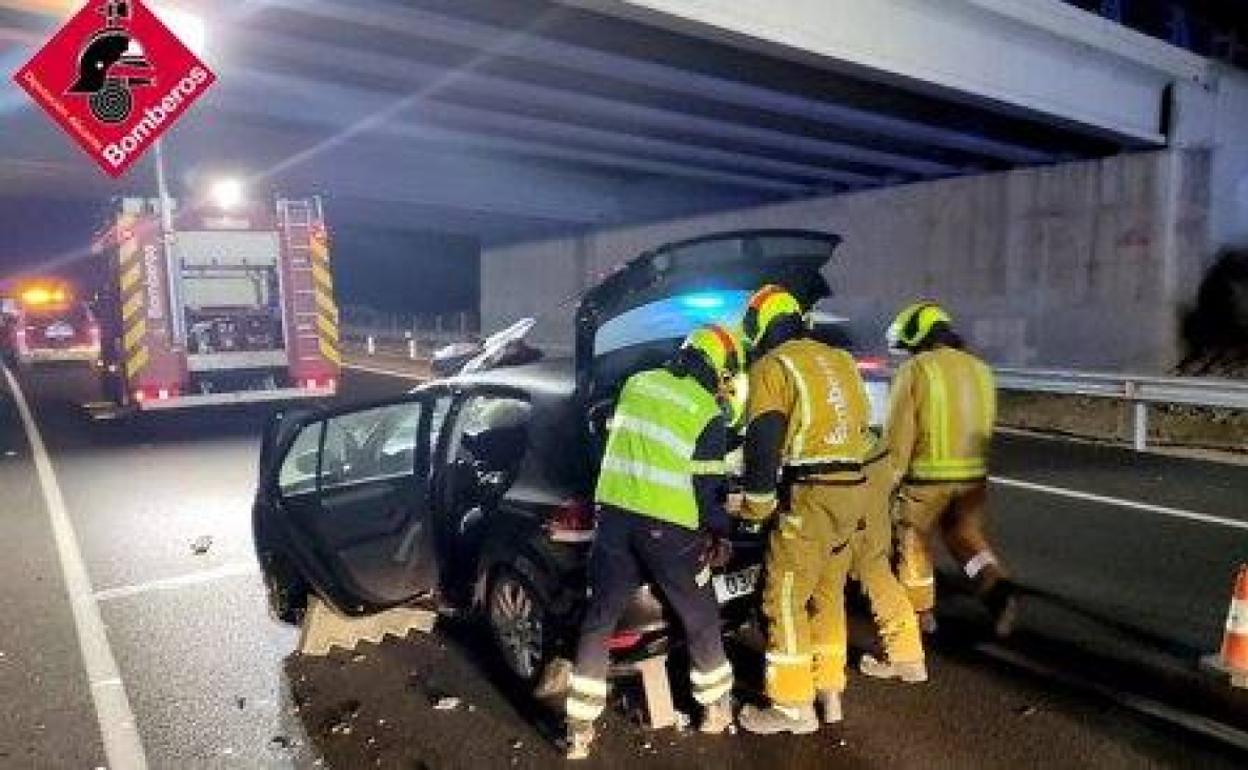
(648, 466)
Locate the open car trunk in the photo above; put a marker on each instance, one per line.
(638, 316)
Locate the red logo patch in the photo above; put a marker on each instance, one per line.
(115, 78)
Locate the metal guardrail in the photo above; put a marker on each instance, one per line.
(1140, 392)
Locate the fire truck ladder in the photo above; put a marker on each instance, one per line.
(297, 217)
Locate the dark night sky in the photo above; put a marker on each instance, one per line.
(398, 271)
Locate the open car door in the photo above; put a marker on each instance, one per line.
(349, 491)
(637, 317)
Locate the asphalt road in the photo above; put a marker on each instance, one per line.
(1116, 590)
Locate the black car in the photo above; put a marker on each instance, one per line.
(478, 489)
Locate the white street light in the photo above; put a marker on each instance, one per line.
(227, 194)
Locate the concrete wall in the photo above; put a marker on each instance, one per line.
(1080, 265)
(1228, 213)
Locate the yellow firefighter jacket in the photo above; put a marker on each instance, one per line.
(819, 394)
(940, 418)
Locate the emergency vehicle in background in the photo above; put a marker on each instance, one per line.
(238, 309)
(46, 322)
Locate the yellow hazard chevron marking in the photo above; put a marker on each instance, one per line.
(330, 353)
(135, 335)
(136, 363)
(322, 276)
(325, 304)
(327, 309)
(132, 306)
(130, 278)
(327, 328)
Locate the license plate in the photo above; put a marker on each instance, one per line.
(59, 331)
(734, 585)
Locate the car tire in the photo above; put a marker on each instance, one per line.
(286, 589)
(521, 628)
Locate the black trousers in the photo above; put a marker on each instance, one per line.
(626, 548)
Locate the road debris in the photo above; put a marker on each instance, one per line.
(446, 703)
(240, 702)
(359, 657)
(201, 545)
(1027, 711)
(281, 742)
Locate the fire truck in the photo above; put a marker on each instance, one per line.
(224, 307)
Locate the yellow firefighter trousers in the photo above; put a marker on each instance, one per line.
(959, 510)
(811, 553)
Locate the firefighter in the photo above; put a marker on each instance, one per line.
(940, 423)
(660, 497)
(807, 443)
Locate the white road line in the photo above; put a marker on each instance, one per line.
(386, 372)
(1161, 510)
(234, 569)
(122, 745)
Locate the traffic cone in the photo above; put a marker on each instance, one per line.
(1233, 658)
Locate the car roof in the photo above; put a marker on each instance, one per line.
(548, 379)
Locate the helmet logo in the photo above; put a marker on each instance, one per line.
(111, 65)
(115, 78)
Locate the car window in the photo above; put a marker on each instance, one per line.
(297, 475)
(369, 445)
(492, 431)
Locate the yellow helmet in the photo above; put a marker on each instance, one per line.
(768, 304)
(912, 325)
(721, 348)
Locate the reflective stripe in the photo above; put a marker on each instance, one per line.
(785, 659)
(825, 460)
(652, 431)
(1237, 618)
(583, 710)
(803, 407)
(987, 392)
(582, 684)
(710, 677)
(927, 581)
(786, 614)
(978, 562)
(708, 467)
(761, 497)
(938, 420)
(949, 470)
(670, 396)
(712, 694)
(654, 475)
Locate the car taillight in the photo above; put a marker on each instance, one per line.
(623, 640)
(571, 522)
(156, 394)
(872, 365)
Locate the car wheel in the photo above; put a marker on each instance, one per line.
(286, 589)
(519, 621)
